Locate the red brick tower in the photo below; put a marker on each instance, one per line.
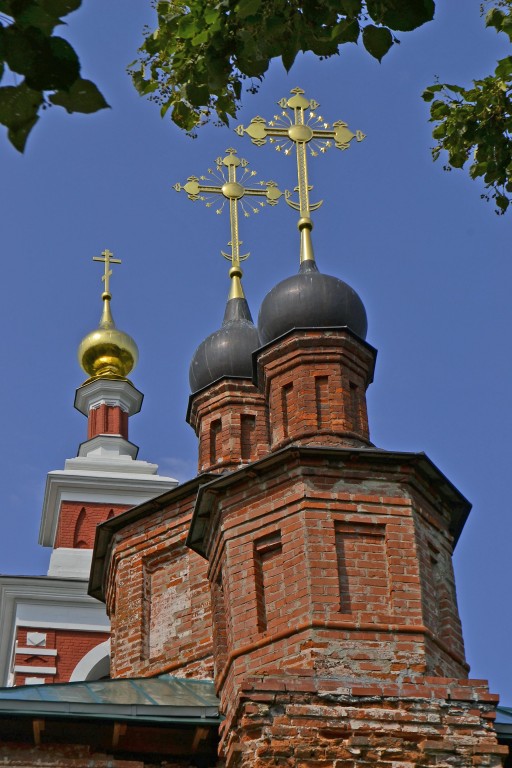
(226, 410)
(337, 638)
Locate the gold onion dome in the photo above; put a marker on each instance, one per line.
(107, 352)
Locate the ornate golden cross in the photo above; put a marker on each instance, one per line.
(232, 189)
(305, 131)
(108, 258)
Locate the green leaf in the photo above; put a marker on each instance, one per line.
(350, 7)
(18, 104)
(83, 96)
(184, 117)
(48, 63)
(504, 68)
(377, 40)
(502, 202)
(188, 27)
(18, 136)
(347, 31)
(430, 92)
(198, 95)
(494, 18)
(211, 15)
(60, 8)
(57, 67)
(247, 8)
(401, 15)
(37, 17)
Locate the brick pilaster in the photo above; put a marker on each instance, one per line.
(107, 420)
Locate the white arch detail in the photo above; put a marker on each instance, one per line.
(94, 665)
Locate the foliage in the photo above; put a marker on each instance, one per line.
(196, 60)
(48, 64)
(475, 124)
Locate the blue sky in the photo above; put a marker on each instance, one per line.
(430, 260)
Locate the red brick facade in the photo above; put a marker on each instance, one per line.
(78, 522)
(158, 597)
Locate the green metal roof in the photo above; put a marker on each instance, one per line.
(155, 699)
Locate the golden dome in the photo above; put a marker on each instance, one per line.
(107, 352)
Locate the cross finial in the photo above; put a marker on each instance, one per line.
(108, 258)
(305, 129)
(226, 184)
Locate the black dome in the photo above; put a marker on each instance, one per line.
(228, 351)
(310, 300)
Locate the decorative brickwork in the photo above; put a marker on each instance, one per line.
(158, 597)
(230, 420)
(315, 382)
(55, 660)
(78, 522)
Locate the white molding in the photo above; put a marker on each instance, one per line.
(108, 403)
(132, 483)
(109, 391)
(94, 664)
(66, 562)
(108, 447)
(34, 681)
(37, 670)
(34, 651)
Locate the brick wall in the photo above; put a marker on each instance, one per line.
(158, 596)
(301, 720)
(78, 522)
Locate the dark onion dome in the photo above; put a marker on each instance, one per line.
(310, 300)
(228, 351)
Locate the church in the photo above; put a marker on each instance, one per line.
(294, 603)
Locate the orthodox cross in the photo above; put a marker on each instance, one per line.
(233, 190)
(306, 132)
(108, 258)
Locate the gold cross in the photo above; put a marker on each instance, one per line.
(306, 132)
(232, 189)
(107, 257)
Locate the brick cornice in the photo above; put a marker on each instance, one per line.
(317, 624)
(414, 469)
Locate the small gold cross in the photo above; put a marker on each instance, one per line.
(232, 189)
(107, 258)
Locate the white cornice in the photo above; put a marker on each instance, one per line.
(108, 447)
(44, 602)
(106, 487)
(109, 391)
